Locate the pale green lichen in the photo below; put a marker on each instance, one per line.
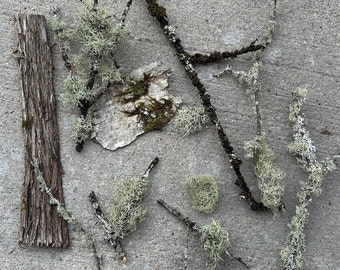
(82, 127)
(305, 153)
(215, 241)
(204, 192)
(62, 32)
(270, 178)
(291, 253)
(128, 209)
(190, 120)
(92, 67)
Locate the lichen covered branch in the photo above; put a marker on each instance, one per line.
(92, 69)
(305, 152)
(128, 210)
(159, 12)
(214, 238)
(65, 214)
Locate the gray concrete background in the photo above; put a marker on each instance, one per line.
(304, 52)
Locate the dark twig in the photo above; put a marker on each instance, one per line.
(190, 224)
(194, 227)
(125, 13)
(111, 238)
(215, 56)
(114, 237)
(159, 12)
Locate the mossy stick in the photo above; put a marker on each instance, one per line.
(109, 230)
(65, 214)
(159, 12)
(199, 58)
(215, 239)
(305, 152)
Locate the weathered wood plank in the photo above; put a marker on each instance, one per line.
(40, 222)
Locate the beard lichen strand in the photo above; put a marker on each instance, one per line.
(159, 12)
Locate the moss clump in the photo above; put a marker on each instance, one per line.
(153, 114)
(215, 241)
(190, 120)
(136, 89)
(204, 192)
(128, 209)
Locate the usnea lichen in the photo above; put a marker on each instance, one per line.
(190, 120)
(269, 177)
(128, 209)
(204, 192)
(92, 69)
(215, 241)
(305, 152)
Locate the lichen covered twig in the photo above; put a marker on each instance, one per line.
(305, 152)
(67, 215)
(214, 238)
(159, 12)
(128, 210)
(92, 70)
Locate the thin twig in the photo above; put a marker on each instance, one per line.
(111, 238)
(194, 227)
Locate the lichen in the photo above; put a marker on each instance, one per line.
(204, 192)
(128, 209)
(82, 128)
(270, 178)
(190, 120)
(305, 152)
(92, 68)
(215, 241)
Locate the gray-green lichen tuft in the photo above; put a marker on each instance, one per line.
(91, 65)
(270, 178)
(190, 120)
(305, 152)
(128, 209)
(204, 192)
(215, 241)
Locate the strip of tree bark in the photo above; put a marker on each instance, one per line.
(40, 223)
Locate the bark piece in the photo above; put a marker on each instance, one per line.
(40, 223)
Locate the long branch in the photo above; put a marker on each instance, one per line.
(159, 12)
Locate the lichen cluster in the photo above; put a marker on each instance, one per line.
(204, 192)
(92, 68)
(215, 241)
(269, 177)
(305, 152)
(190, 120)
(128, 209)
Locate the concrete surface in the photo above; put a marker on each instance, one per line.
(305, 52)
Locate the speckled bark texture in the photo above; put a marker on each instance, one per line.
(40, 222)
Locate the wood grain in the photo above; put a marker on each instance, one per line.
(40, 222)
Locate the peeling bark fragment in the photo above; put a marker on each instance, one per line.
(40, 223)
